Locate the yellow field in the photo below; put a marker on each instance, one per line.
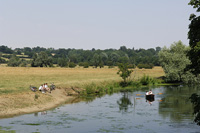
(17, 79)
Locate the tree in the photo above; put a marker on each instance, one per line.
(194, 54)
(97, 60)
(72, 65)
(174, 61)
(62, 62)
(42, 60)
(5, 49)
(195, 100)
(14, 61)
(124, 73)
(194, 39)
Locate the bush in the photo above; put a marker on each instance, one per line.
(147, 80)
(2, 60)
(145, 66)
(124, 84)
(14, 61)
(24, 63)
(131, 66)
(62, 62)
(81, 64)
(91, 88)
(72, 65)
(189, 78)
(136, 84)
(85, 65)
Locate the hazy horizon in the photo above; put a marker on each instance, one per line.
(93, 24)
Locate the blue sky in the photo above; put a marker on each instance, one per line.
(88, 24)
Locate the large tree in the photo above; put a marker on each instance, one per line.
(174, 61)
(42, 60)
(194, 38)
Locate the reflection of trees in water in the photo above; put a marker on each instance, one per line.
(195, 99)
(124, 102)
(176, 104)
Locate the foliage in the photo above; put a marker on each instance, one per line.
(5, 49)
(42, 60)
(147, 80)
(14, 61)
(136, 84)
(195, 4)
(174, 61)
(146, 66)
(96, 58)
(195, 100)
(189, 78)
(124, 72)
(131, 66)
(124, 102)
(194, 39)
(1, 59)
(23, 63)
(85, 65)
(90, 89)
(72, 64)
(62, 62)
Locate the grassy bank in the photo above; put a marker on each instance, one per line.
(16, 97)
(19, 79)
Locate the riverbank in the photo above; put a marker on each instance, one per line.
(16, 98)
(30, 102)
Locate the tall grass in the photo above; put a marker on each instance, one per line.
(147, 80)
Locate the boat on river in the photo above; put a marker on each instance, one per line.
(150, 97)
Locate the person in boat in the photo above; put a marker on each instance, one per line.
(150, 92)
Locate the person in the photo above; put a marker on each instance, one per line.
(147, 93)
(47, 88)
(150, 92)
(45, 85)
(40, 88)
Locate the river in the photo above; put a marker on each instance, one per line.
(170, 112)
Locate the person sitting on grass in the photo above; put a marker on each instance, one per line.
(47, 88)
(40, 88)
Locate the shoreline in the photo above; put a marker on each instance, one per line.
(9, 106)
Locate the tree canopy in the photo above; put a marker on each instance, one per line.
(194, 38)
(174, 61)
(95, 57)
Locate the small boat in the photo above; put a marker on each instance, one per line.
(150, 97)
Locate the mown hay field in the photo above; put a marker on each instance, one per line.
(18, 79)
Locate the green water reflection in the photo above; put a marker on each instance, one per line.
(176, 104)
(124, 102)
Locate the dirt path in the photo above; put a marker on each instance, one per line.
(29, 102)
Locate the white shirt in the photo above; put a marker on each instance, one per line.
(40, 88)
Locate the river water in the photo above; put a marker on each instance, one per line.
(120, 112)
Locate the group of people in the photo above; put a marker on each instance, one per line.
(44, 87)
(149, 92)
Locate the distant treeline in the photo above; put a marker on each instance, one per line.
(46, 57)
